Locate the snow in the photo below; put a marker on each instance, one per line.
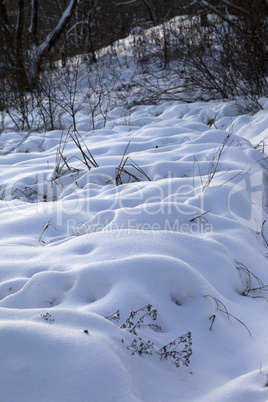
(188, 238)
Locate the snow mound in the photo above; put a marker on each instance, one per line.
(160, 247)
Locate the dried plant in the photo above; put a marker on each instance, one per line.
(45, 228)
(121, 168)
(247, 276)
(63, 164)
(87, 157)
(222, 308)
(178, 357)
(47, 317)
(115, 316)
(140, 322)
(141, 347)
(178, 351)
(215, 163)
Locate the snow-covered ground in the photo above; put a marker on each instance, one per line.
(144, 278)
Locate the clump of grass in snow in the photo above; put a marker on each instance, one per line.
(63, 165)
(121, 168)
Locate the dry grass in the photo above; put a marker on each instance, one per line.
(123, 168)
(63, 164)
(222, 308)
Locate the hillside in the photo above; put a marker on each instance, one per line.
(134, 255)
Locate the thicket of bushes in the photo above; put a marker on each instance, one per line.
(218, 48)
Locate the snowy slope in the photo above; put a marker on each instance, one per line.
(181, 237)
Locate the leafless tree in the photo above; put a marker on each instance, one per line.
(22, 48)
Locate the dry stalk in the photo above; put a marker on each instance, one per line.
(121, 168)
(222, 308)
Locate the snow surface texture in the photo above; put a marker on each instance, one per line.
(79, 253)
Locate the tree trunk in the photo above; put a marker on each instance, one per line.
(23, 55)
